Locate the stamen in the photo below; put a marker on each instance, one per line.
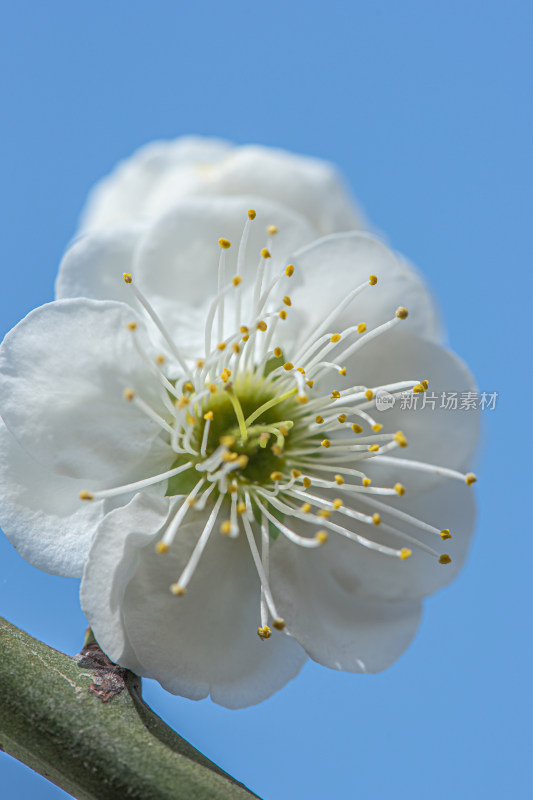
(224, 245)
(156, 320)
(137, 485)
(196, 555)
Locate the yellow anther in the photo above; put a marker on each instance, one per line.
(85, 495)
(325, 443)
(306, 508)
(177, 590)
(445, 559)
(296, 473)
(283, 430)
(339, 480)
(261, 325)
(369, 394)
(127, 277)
(277, 449)
(243, 329)
(232, 488)
(221, 346)
(405, 553)
(263, 438)
(132, 326)
(236, 280)
(283, 314)
(372, 280)
(161, 547)
(278, 352)
(289, 270)
(160, 359)
(276, 476)
(366, 482)
(425, 384)
(278, 623)
(306, 482)
(129, 394)
(321, 537)
(246, 337)
(236, 348)
(300, 369)
(183, 401)
(241, 507)
(188, 387)
(265, 253)
(400, 439)
(264, 633)
(310, 384)
(225, 527)
(361, 328)
(225, 375)
(342, 371)
(324, 513)
(337, 503)
(272, 230)
(335, 338)
(213, 388)
(200, 363)
(342, 418)
(377, 427)
(445, 534)
(224, 243)
(335, 394)
(402, 313)
(470, 478)
(319, 420)
(419, 388)
(226, 457)
(190, 419)
(357, 428)
(399, 489)
(302, 398)
(288, 366)
(227, 441)
(373, 448)
(242, 461)
(376, 519)
(251, 213)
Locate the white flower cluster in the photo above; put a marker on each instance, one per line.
(191, 426)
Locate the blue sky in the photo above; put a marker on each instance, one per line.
(426, 108)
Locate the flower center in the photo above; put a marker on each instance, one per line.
(261, 444)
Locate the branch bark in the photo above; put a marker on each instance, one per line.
(82, 724)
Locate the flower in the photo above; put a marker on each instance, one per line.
(201, 439)
(161, 173)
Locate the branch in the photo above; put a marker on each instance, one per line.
(82, 724)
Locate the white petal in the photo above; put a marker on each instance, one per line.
(95, 263)
(180, 253)
(127, 192)
(109, 568)
(41, 513)
(312, 188)
(331, 267)
(63, 370)
(337, 626)
(203, 643)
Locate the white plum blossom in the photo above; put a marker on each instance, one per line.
(149, 183)
(192, 426)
